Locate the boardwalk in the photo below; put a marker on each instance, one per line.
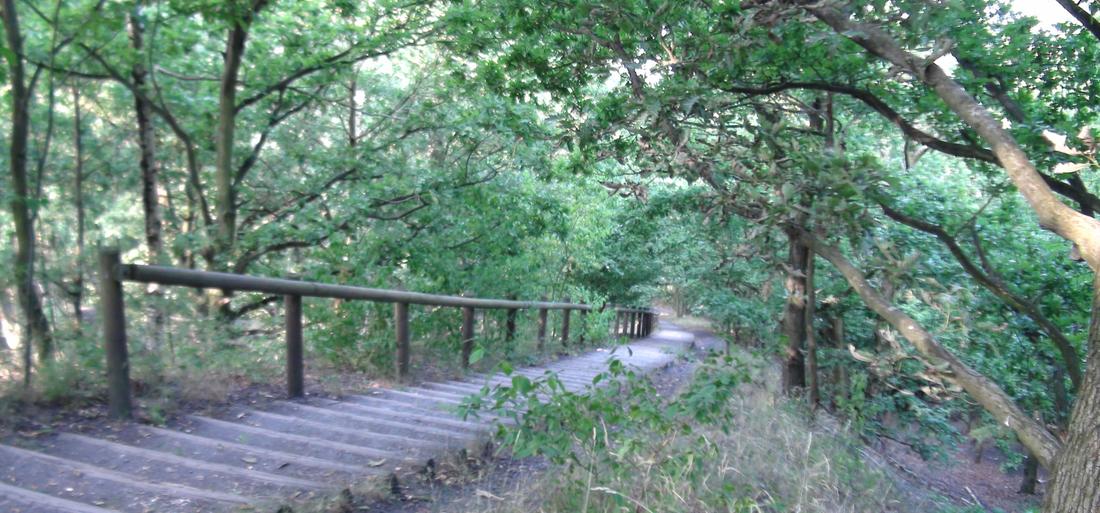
(287, 451)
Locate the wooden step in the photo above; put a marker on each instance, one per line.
(21, 500)
(82, 482)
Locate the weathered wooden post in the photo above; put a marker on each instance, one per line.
(634, 322)
(542, 329)
(618, 323)
(111, 308)
(401, 331)
(295, 381)
(467, 335)
(565, 327)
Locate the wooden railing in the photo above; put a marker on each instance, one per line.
(629, 321)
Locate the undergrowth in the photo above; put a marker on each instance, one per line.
(722, 443)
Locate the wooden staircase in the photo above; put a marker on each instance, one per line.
(287, 452)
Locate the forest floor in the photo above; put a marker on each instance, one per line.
(503, 484)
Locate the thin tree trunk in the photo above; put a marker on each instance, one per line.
(77, 293)
(37, 327)
(811, 337)
(150, 172)
(794, 316)
(1031, 476)
(226, 198)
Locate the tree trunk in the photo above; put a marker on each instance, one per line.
(1073, 488)
(37, 327)
(150, 172)
(146, 141)
(76, 295)
(1081, 230)
(794, 315)
(811, 337)
(226, 198)
(1031, 476)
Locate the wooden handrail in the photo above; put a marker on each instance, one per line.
(639, 321)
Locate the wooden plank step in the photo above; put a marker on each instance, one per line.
(21, 500)
(289, 442)
(115, 490)
(438, 419)
(348, 416)
(232, 453)
(403, 427)
(423, 444)
(166, 466)
(420, 401)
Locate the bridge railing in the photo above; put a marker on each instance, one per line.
(629, 321)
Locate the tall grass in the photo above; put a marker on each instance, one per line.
(761, 454)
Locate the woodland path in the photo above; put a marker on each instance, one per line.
(258, 459)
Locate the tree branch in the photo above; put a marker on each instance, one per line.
(1031, 433)
(991, 283)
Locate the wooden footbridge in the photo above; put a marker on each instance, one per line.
(262, 458)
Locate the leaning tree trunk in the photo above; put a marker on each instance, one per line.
(1032, 434)
(1073, 488)
(38, 328)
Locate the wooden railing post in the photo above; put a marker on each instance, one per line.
(467, 335)
(565, 327)
(401, 330)
(634, 324)
(618, 323)
(295, 380)
(542, 329)
(111, 307)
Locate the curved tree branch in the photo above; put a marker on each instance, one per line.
(1088, 201)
